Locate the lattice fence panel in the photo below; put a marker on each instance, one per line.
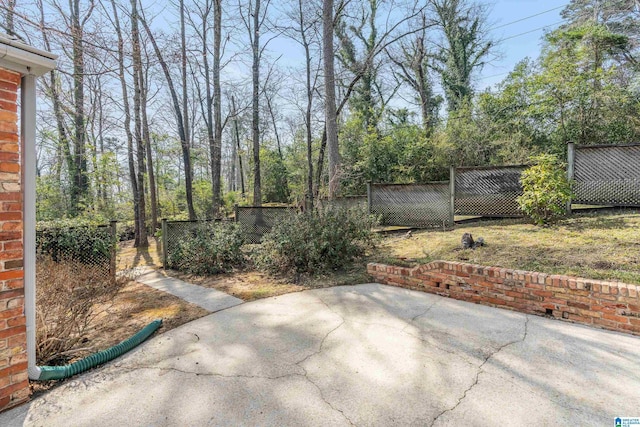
(91, 246)
(412, 205)
(257, 221)
(348, 202)
(177, 231)
(488, 191)
(607, 175)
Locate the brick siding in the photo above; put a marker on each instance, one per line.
(14, 385)
(603, 304)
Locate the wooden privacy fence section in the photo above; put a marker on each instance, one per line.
(488, 191)
(92, 246)
(258, 220)
(606, 174)
(346, 202)
(412, 205)
(173, 232)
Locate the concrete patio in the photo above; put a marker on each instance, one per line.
(361, 355)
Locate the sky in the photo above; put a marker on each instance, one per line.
(521, 23)
(514, 49)
(518, 26)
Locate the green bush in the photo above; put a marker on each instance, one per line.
(316, 242)
(209, 249)
(546, 189)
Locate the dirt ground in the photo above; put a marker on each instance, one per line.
(250, 285)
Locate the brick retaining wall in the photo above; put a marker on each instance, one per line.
(604, 304)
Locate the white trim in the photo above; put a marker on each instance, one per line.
(28, 161)
(25, 59)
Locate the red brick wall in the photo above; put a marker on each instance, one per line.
(608, 305)
(14, 385)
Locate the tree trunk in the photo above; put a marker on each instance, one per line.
(208, 114)
(184, 141)
(255, 122)
(141, 240)
(217, 104)
(234, 113)
(80, 185)
(307, 117)
(331, 124)
(8, 21)
(146, 136)
(127, 118)
(186, 150)
(232, 177)
(323, 142)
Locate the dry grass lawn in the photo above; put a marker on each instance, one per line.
(596, 245)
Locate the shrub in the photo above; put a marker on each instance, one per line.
(546, 189)
(314, 242)
(209, 249)
(67, 292)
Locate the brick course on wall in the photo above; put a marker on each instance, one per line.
(14, 385)
(604, 304)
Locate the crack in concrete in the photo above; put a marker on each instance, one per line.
(479, 371)
(418, 337)
(212, 374)
(436, 346)
(238, 376)
(320, 348)
(340, 411)
(416, 317)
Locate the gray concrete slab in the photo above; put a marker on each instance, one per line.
(367, 355)
(207, 298)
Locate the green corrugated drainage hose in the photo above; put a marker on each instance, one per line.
(59, 372)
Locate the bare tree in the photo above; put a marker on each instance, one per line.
(76, 18)
(254, 17)
(63, 148)
(182, 133)
(393, 32)
(185, 111)
(141, 231)
(414, 64)
(146, 136)
(304, 30)
(234, 114)
(216, 153)
(127, 118)
(9, 11)
(211, 104)
(330, 114)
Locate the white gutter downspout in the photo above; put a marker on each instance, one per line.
(28, 142)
